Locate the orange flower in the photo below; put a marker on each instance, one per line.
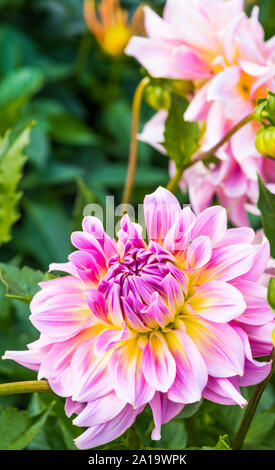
(110, 24)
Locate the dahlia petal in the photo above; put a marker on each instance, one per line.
(61, 316)
(163, 411)
(97, 304)
(258, 311)
(114, 305)
(260, 261)
(260, 338)
(219, 345)
(158, 364)
(100, 410)
(174, 293)
(108, 339)
(218, 301)
(131, 232)
(91, 379)
(191, 372)
(107, 432)
(223, 88)
(212, 222)
(158, 311)
(235, 236)
(126, 375)
(31, 358)
(192, 65)
(224, 391)
(73, 407)
(179, 235)
(93, 226)
(227, 264)
(199, 252)
(154, 57)
(254, 372)
(86, 267)
(161, 210)
(199, 106)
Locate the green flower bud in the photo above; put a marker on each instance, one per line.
(157, 96)
(270, 107)
(265, 141)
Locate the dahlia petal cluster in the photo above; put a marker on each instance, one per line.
(214, 44)
(162, 322)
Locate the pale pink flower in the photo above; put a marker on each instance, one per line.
(214, 44)
(163, 322)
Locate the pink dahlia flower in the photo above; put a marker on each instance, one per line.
(214, 44)
(163, 322)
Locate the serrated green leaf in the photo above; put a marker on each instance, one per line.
(12, 160)
(21, 284)
(223, 444)
(181, 137)
(266, 204)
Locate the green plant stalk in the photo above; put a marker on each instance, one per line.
(132, 162)
(192, 433)
(25, 387)
(251, 407)
(202, 156)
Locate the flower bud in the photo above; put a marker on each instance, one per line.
(157, 96)
(265, 141)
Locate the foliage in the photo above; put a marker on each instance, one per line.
(266, 204)
(65, 113)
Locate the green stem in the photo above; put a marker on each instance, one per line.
(192, 433)
(175, 180)
(25, 387)
(132, 163)
(202, 156)
(251, 407)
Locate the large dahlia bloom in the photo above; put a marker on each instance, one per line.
(214, 44)
(163, 322)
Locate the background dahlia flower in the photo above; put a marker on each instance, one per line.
(214, 44)
(163, 322)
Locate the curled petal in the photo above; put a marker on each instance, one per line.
(100, 410)
(102, 433)
(163, 411)
(224, 391)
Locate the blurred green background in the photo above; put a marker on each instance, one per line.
(54, 74)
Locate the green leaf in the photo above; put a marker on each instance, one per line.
(15, 90)
(84, 196)
(70, 130)
(260, 427)
(12, 160)
(18, 428)
(266, 204)
(21, 284)
(271, 293)
(189, 410)
(29, 434)
(181, 137)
